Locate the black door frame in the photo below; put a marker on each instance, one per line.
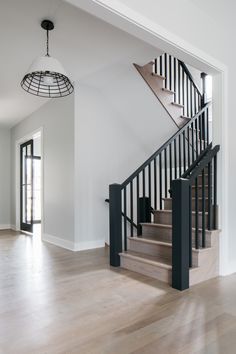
(24, 225)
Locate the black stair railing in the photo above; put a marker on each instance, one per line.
(179, 80)
(131, 202)
(192, 214)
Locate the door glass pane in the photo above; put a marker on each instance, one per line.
(37, 189)
(23, 206)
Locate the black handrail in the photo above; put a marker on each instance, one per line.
(125, 216)
(164, 146)
(203, 163)
(191, 168)
(190, 76)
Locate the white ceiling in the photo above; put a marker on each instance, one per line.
(84, 44)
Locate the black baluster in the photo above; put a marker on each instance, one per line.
(207, 125)
(180, 158)
(165, 161)
(200, 130)
(175, 158)
(203, 211)
(161, 68)
(196, 215)
(144, 186)
(166, 71)
(139, 227)
(155, 66)
(160, 179)
(191, 99)
(204, 129)
(175, 71)
(149, 183)
(131, 209)
(195, 101)
(125, 220)
(183, 87)
(155, 183)
(170, 162)
(209, 196)
(215, 194)
(179, 82)
(196, 136)
(190, 226)
(192, 134)
(170, 72)
(184, 150)
(187, 93)
(188, 135)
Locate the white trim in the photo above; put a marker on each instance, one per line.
(60, 242)
(72, 246)
(88, 245)
(134, 23)
(5, 227)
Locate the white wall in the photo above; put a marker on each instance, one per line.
(119, 123)
(57, 120)
(201, 33)
(5, 177)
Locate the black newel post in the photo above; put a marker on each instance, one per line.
(115, 215)
(180, 234)
(204, 93)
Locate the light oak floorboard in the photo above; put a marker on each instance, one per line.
(53, 301)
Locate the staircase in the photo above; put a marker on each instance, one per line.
(163, 218)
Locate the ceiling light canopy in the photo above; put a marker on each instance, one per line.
(46, 76)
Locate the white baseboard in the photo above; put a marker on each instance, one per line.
(69, 245)
(5, 227)
(72, 246)
(88, 245)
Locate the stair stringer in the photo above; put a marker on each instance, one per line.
(165, 97)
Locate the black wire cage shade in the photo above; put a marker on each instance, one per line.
(46, 76)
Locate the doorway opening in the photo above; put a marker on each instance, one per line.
(30, 185)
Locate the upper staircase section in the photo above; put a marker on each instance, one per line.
(164, 216)
(173, 85)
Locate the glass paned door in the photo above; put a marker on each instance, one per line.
(26, 183)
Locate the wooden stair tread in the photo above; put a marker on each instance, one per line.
(192, 198)
(164, 244)
(157, 261)
(170, 211)
(159, 76)
(166, 226)
(147, 240)
(168, 90)
(177, 104)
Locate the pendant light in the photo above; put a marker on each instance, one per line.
(46, 76)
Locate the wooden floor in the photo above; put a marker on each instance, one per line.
(56, 301)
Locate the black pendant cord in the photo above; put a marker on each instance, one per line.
(47, 44)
